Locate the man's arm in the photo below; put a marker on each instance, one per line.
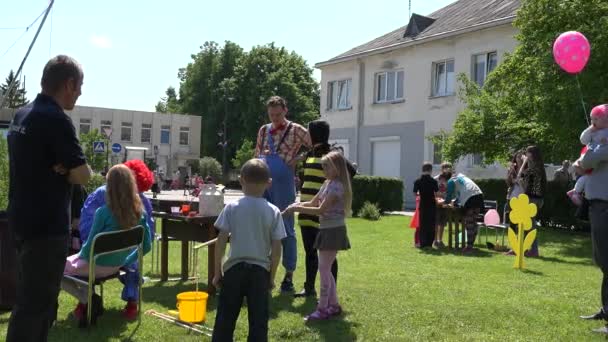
(258, 144)
(275, 257)
(592, 158)
(80, 175)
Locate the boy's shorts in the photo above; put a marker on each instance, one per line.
(442, 216)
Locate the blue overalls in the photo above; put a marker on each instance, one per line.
(282, 193)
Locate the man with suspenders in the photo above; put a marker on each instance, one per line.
(278, 143)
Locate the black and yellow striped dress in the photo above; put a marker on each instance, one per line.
(313, 180)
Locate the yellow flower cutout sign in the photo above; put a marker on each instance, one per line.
(522, 212)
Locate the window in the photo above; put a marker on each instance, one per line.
(443, 78)
(184, 135)
(437, 153)
(165, 134)
(483, 65)
(85, 126)
(125, 131)
(106, 125)
(389, 86)
(338, 94)
(477, 159)
(146, 133)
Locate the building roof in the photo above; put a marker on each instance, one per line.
(458, 16)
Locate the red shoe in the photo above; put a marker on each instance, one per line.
(130, 311)
(80, 311)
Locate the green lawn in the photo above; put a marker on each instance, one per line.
(393, 292)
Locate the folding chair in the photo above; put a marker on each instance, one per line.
(496, 227)
(108, 243)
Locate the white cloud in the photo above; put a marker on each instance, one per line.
(101, 42)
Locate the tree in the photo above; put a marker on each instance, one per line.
(170, 103)
(16, 97)
(97, 161)
(226, 83)
(528, 99)
(243, 154)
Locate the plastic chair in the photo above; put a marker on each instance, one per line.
(108, 243)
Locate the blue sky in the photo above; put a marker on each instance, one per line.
(131, 50)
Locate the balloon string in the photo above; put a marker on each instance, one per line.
(580, 93)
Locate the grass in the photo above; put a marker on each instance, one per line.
(393, 292)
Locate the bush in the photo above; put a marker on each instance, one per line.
(210, 167)
(557, 210)
(95, 182)
(387, 193)
(369, 211)
(3, 173)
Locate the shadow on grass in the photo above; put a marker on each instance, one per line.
(165, 293)
(335, 329)
(109, 326)
(477, 252)
(536, 273)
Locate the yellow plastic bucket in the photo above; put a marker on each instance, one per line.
(192, 306)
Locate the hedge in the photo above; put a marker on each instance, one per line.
(557, 211)
(387, 193)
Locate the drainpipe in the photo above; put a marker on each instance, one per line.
(360, 107)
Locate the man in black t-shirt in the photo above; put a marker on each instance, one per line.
(426, 187)
(45, 161)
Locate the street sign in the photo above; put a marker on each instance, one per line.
(99, 147)
(107, 131)
(116, 148)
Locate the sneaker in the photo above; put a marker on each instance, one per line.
(287, 285)
(510, 252)
(305, 293)
(436, 244)
(602, 330)
(318, 315)
(130, 312)
(334, 310)
(600, 315)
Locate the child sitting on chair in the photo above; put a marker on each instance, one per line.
(123, 210)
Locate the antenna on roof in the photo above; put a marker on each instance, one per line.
(409, 9)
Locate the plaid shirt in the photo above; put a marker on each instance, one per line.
(296, 137)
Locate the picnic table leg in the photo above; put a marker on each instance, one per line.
(211, 261)
(456, 231)
(450, 221)
(164, 254)
(185, 250)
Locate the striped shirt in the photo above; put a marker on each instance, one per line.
(313, 180)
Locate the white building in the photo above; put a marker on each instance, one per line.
(170, 139)
(384, 98)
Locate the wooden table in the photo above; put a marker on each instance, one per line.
(456, 224)
(186, 229)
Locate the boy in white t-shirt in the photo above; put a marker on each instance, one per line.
(255, 228)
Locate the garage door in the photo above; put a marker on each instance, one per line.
(386, 157)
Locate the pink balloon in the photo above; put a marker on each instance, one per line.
(491, 217)
(571, 51)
